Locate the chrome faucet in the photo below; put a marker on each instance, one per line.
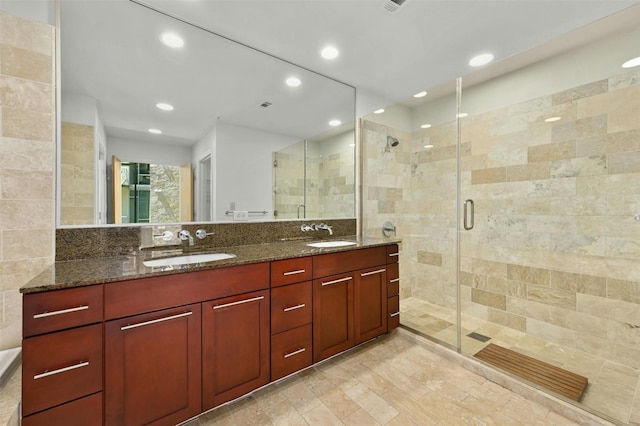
(325, 227)
(185, 235)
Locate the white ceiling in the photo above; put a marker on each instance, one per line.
(386, 57)
(389, 57)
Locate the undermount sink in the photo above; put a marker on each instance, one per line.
(325, 244)
(188, 259)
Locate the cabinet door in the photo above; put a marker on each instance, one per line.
(333, 321)
(370, 303)
(152, 367)
(235, 346)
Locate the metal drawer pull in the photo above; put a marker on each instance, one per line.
(395, 280)
(341, 280)
(253, 299)
(394, 254)
(394, 314)
(379, 271)
(299, 351)
(299, 271)
(140, 324)
(293, 308)
(60, 312)
(60, 370)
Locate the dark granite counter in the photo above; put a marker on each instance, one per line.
(77, 273)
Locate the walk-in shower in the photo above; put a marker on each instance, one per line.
(549, 155)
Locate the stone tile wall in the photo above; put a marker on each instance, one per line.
(77, 174)
(27, 163)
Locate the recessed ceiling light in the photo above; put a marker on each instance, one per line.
(172, 40)
(425, 126)
(428, 146)
(420, 94)
(329, 52)
(462, 115)
(293, 82)
(155, 131)
(480, 60)
(379, 111)
(552, 119)
(335, 123)
(164, 107)
(632, 63)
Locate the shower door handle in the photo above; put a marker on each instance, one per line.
(468, 214)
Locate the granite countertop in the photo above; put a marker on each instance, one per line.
(78, 273)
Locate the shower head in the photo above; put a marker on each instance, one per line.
(391, 142)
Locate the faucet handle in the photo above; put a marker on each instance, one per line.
(184, 235)
(202, 234)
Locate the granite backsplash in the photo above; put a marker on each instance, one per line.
(94, 242)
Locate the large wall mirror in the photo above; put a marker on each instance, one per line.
(162, 121)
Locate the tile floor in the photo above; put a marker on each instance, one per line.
(390, 381)
(614, 389)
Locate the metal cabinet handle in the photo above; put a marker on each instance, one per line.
(293, 308)
(468, 217)
(60, 370)
(142, 324)
(299, 271)
(341, 280)
(60, 312)
(395, 280)
(394, 254)
(379, 271)
(395, 314)
(299, 351)
(253, 299)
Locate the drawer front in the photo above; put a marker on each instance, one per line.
(127, 298)
(291, 306)
(393, 278)
(393, 253)
(290, 271)
(291, 351)
(347, 261)
(60, 309)
(394, 312)
(60, 367)
(86, 411)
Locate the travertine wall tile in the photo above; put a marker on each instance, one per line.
(552, 151)
(27, 163)
(486, 298)
(627, 291)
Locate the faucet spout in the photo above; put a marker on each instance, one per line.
(185, 235)
(325, 227)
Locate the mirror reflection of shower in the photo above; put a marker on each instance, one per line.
(391, 143)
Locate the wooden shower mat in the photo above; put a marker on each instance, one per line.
(556, 379)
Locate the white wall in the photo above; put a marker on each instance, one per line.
(79, 109)
(205, 146)
(243, 169)
(147, 152)
(35, 10)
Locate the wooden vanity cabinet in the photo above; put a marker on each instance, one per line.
(349, 307)
(393, 289)
(62, 354)
(153, 367)
(291, 316)
(235, 347)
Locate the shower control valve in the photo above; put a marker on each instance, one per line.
(637, 217)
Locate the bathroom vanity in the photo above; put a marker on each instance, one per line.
(159, 347)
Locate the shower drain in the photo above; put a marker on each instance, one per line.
(479, 336)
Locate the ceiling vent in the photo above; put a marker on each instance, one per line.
(392, 6)
(265, 104)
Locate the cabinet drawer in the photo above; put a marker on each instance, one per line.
(134, 297)
(60, 367)
(393, 253)
(291, 307)
(61, 309)
(394, 312)
(85, 411)
(393, 277)
(346, 261)
(290, 271)
(291, 351)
